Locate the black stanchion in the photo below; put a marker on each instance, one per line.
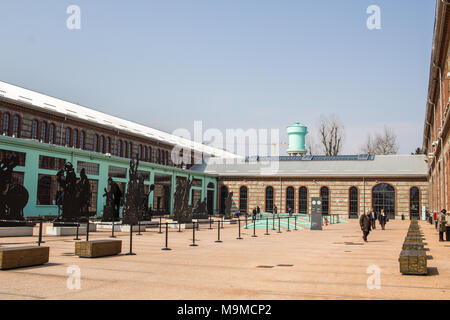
(193, 236)
(40, 234)
(295, 223)
(267, 227)
(289, 228)
(78, 229)
(223, 219)
(254, 229)
(179, 226)
(210, 223)
(139, 228)
(167, 238)
(218, 231)
(112, 230)
(131, 241)
(273, 222)
(239, 226)
(198, 226)
(87, 231)
(160, 225)
(246, 221)
(279, 228)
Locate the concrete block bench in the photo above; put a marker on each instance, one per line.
(413, 262)
(98, 248)
(413, 246)
(19, 257)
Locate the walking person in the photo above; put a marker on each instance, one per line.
(442, 224)
(258, 211)
(365, 224)
(372, 218)
(254, 214)
(290, 211)
(447, 226)
(382, 219)
(275, 210)
(435, 220)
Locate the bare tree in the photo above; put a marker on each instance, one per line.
(383, 143)
(311, 145)
(332, 133)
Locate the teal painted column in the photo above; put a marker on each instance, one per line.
(102, 184)
(30, 181)
(172, 190)
(152, 181)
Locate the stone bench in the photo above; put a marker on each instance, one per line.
(19, 257)
(413, 246)
(413, 239)
(98, 248)
(413, 262)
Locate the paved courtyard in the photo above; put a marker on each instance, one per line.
(329, 264)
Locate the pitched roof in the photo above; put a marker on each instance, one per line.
(71, 110)
(379, 166)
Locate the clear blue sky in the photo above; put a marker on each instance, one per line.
(231, 63)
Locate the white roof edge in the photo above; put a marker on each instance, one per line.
(49, 103)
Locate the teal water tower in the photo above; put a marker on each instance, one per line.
(297, 139)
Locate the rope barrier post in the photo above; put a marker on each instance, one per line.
(112, 230)
(273, 222)
(223, 219)
(254, 229)
(179, 226)
(139, 228)
(246, 220)
(288, 229)
(167, 238)
(160, 225)
(40, 233)
(131, 242)
(87, 231)
(295, 223)
(210, 223)
(218, 231)
(198, 225)
(78, 228)
(239, 226)
(279, 228)
(193, 236)
(267, 227)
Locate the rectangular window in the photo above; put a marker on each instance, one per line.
(51, 163)
(145, 175)
(94, 193)
(17, 178)
(117, 172)
(89, 167)
(46, 191)
(5, 153)
(196, 183)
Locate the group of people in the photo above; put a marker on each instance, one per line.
(368, 221)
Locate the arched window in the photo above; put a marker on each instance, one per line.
(125, 149)
(325, 194)
(34, 130)
(140, 152)
(243, 199)
(303, 200)
(82, 140)
(150, 157)
(159, 156)
(95, 143)
(108, 145)
(145, 153)
(130, 150)
(68, 136)
(75, 138)
(16, 126)
(353, 202)
(290, 199)
(383, 197)
(414, 203)
(223, 198)
(102, 144)
(51, 134)
(119, 148)
(167, 157)
(43, 131)
(269, 199)
(6, 124)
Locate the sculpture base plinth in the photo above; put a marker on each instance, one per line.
(69, 231)
(16, 231)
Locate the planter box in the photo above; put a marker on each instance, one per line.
(16, 231)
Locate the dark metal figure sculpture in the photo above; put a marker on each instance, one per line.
(200, 210)
(228, 205)
(132, 210)
(13, 197)
(181, 209)
(113, 201)
(85, 193)
(71, 207)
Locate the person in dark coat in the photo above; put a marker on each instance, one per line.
(255, 211)
(365, 224)
(258, 211)
(442, 224)
(382, 219)
(373, 219)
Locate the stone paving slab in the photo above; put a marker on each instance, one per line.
(304, 264)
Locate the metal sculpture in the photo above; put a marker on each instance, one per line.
(134, 198)
(13, 197)
(228, 205)
(200, 210)
(113, 196)
(85, 193)
(181, 208)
